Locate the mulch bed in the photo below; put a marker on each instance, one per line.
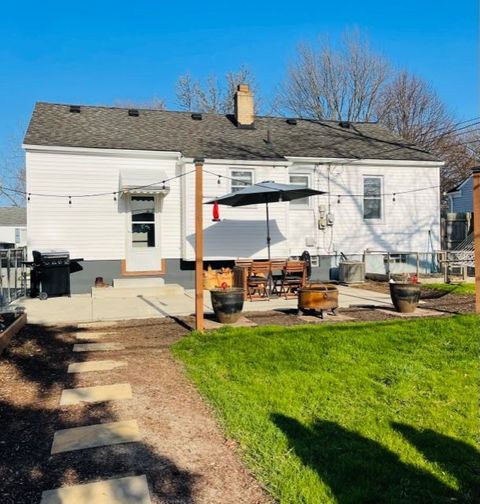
(434, 299)
(183, 454)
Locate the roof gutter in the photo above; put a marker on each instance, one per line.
(365, 162)
(240, 162)
(174, 155)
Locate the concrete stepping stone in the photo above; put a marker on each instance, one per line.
(326, 318)
(91, 436)
(419, 312)
(98, 393)
(241, 322)
(130, 490)
(97, 365)
(92, 336)
(97, 347)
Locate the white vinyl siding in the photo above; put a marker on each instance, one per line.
(93, 228)
(96, 228)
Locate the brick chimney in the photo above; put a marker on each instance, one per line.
(244, 114)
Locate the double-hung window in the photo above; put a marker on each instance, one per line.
(303, 181)
(372, 198)
(241, 179)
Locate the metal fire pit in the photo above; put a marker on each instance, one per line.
(318, 297)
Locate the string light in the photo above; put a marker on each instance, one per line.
(219, 177)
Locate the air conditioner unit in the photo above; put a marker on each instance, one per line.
(351, 272)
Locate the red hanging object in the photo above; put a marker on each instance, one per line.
(216, 212)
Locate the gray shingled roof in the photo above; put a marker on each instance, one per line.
(13, 216)
(215, 136)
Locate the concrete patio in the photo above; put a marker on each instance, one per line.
(87, 308)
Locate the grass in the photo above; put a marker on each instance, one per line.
(461, 288)
(348, 413)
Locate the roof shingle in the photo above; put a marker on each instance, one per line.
(215, 136)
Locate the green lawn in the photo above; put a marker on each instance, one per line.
(462, 288)
(348, 413)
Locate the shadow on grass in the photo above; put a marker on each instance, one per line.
(452, 455)
(34, 372)
(358, 469)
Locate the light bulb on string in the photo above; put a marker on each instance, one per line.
(218, 180)
(338, 199)
(28, 197)
(393, 198)
(114, 196)
(69, 200)
(163, 185)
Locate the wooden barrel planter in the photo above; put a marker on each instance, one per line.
(317, 298)
(405, 296)
(227, 304)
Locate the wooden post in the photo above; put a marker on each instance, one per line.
(199, 324)
(476, 234)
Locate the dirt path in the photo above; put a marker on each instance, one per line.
(183, 453)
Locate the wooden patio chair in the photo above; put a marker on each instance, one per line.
(257, 280)
(276, 274)
(294, 277)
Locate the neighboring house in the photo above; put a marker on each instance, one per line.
(458, 224)
(460, 199)
(78, 150)
(13, 227)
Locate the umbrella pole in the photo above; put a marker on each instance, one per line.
(268, 231)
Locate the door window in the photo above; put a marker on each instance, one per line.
(143, 221)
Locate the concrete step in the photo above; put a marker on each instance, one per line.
(125, 292)
(137, 282)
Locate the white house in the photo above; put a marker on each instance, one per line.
(13, 227)
(101, 185)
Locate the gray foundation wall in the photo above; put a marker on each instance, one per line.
(177, 271)
(81, 282)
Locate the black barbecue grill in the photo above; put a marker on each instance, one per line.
(50, 275)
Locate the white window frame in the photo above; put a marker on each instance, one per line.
(298, 205)
(380, 198)
(245, 170)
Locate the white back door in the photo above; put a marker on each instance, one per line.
(143, 233)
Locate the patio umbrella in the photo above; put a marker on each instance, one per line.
(265, 192)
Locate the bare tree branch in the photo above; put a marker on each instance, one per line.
(12, 171)
(154, 103)
(326, 82)
(214, 95)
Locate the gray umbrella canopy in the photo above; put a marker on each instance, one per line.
(265, 192)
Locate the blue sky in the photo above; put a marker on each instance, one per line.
(98, 52)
